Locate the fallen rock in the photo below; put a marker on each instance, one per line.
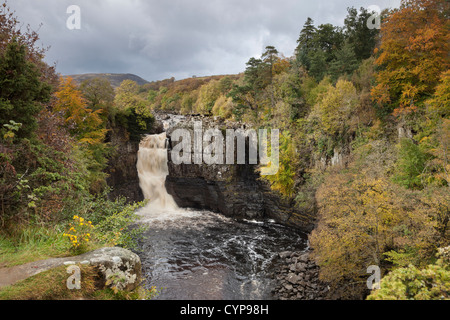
(284, 254)
(298, 278)
(300, 267)
(292, 278)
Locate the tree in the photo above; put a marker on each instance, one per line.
(345, 62)
(88, 128)
(316, 46)
(410, 164)
(127, 95)
(328, 38)
(335, 108)
(252, 93)
(355, 219)
(207, 96)
(270, 56)
(253, 74)
(22, 93)
(283, 181)
(413, 53)
(434, 136)
(98, 93)
(11, 29)
(305, 42)
(361, 39)
(318, 66)
(440, 101)
(411, 283)
(83, 122)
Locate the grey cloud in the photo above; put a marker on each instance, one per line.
(159, 39)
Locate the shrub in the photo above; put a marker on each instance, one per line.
(79, 233)
(410, 165)
(411, 283)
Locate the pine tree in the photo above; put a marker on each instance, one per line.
(345, 62)
(360, 37)
(21, 91)
(305, 43)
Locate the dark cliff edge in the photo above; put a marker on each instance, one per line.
(122, 173)
(234, 190)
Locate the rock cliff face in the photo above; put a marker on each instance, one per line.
(233, 190)
(122, 173)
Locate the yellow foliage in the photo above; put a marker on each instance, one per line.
(362, 216)
(336, 106)
(82, 121)
(79, 232)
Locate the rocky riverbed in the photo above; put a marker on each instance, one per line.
(298, 278)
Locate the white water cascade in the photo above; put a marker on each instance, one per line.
(152, 170)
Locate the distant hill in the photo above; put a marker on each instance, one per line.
(114, 78)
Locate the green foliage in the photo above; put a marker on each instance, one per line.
(98, 92)
(305, 43)
(118, 228)
(323, 100)
(411, 283)
(330, 50)
(21, 90)
(207, 97)
(29, 243)
(11, 128)
(283, 181)
(345, 62)
(410, 164)
(317, 64)
(114, 220)
(359, 36)
(137, 121)
(126, 95)
(223, 107)
(336, 107)
(79, 234)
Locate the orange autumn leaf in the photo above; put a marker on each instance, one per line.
(413, 53)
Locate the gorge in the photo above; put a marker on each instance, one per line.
(212, 232)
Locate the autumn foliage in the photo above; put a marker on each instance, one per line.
(412, 55)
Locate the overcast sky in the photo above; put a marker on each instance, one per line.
(158, 39)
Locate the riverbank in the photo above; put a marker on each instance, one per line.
(298, 278)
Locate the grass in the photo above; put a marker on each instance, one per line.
(31, 243)
(52, 285)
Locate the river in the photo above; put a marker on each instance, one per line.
(201, 255)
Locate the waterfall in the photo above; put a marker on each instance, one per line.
(198, 254)
(152, 171)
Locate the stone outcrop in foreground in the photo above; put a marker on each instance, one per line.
(112, 263)
(120, 265)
